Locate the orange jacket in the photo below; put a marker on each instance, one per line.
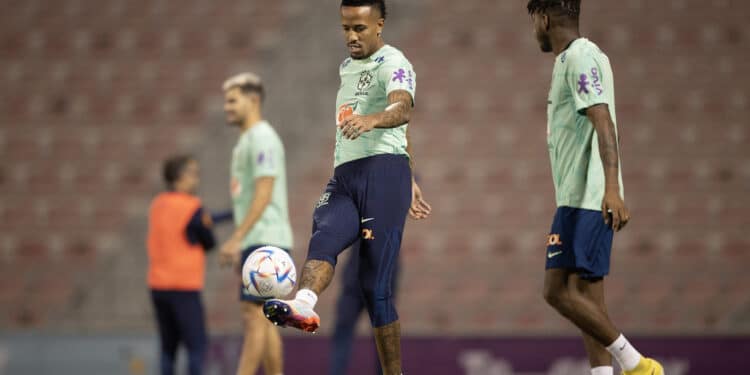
(174, 263)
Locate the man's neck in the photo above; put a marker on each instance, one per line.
(250, 121)
(562, 39)
(380, 45)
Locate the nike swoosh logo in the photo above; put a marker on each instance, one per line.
(552, 255)
(366, 220)
(623, 347)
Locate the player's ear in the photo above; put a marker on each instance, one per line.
(546, 21)
(381, 23)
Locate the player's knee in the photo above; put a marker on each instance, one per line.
(380, 305)
(555, 297)
(383, 312)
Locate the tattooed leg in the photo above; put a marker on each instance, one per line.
(388, 341)
(316, 276)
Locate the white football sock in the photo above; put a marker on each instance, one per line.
(624, 353)
(307, 296)
(603, 370)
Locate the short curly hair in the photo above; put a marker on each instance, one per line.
(379, 4)
(571, 8)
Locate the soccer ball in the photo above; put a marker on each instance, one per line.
(269, 272)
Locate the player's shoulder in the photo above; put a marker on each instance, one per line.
(389, 55)
(582, 50)
(264, 130)
(265, 134)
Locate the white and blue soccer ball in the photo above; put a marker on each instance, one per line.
(269, 272)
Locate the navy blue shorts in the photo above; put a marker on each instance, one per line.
(366, 203)
(580, 240)
(244, 295)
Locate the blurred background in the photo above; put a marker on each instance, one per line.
(94, 94)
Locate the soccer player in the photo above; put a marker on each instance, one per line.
(179, 232)
(259, 196)
(583, 146)
(372, 188)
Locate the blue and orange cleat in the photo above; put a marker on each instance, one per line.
(291, 314)
(647, 366)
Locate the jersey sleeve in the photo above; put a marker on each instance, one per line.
(222, 216)
(585, 79)
(398, 74)
(199, 230)
(264, 156)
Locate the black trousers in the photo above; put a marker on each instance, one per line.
(180, 317)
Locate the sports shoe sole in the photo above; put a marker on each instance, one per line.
(281, 314)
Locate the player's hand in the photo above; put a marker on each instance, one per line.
(356, 125)
(614, 212)
(419, 209)
(229, 255)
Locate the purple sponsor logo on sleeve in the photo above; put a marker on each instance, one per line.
(266, 158)
(399, 76)
(583, 84)
(597, 84)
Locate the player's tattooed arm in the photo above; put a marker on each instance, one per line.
(396, 114)
(398, 111)
(614, 211)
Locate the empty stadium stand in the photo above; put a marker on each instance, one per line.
(97, 93)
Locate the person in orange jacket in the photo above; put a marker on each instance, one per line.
(179, 234)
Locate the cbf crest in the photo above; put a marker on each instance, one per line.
(323, 201)
(365, 81)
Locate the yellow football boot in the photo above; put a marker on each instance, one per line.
(646, 366)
